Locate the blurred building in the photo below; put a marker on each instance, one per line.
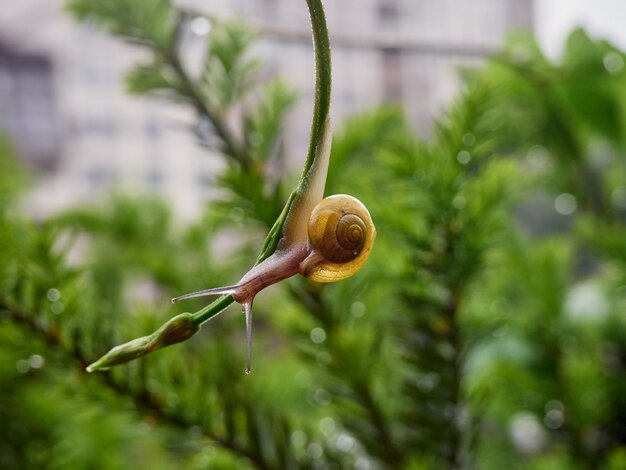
(63, 103)
(65, 107)
(406, 51)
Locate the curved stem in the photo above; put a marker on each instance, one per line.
(312, 181)
(319, 130)
(214, 308)
(323, 81)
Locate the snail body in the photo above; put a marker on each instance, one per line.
(340, 238)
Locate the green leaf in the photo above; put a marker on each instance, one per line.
(154, 76)
(229, 68)
(264, 123)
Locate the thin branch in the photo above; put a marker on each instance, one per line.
(378, 420)
(234, 148)
(450, 311)
(314, 303)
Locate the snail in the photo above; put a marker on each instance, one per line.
(325, 240)
(340, 235)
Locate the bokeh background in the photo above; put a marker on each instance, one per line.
(146, 148)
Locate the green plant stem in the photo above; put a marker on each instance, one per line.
(323, 81)
(218, 306)
(319, 133)
(321, 110)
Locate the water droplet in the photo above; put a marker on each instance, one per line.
(57, 307)
(36, 361)
(463, 157)
(362, 464)
(427, 382)
(613, 62)
(22, 366)
(357, 309)
(538, 157)
(459, 202)
(618, 196)
(345, 443)
(554, 419)
(323, 358)
(586, 301)
(318, 335)
(565, 204)
(200, 26)
(469, 139)
(327, 425)
(53, 295)
(554, 405)
(315, 450)
(322, 397)
(526, 432)
(298, 438)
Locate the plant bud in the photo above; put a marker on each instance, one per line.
(179, 328)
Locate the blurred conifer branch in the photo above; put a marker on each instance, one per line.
(48, 299)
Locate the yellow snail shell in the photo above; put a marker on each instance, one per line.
(341, 235)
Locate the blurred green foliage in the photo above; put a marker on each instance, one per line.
(486, 331)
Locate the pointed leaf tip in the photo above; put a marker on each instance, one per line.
(178, 329)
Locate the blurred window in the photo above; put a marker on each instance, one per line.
(152, 128)
(154, 178)
(392, 74)
(96, 75)
(270, 8)
(388, 11)
(99, 177)
(99, 126)
(27, 110)
(203, 180)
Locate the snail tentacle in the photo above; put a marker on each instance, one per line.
(282, 264)
(227, 290)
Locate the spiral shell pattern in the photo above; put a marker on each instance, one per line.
(344, 237)
(341, 234)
